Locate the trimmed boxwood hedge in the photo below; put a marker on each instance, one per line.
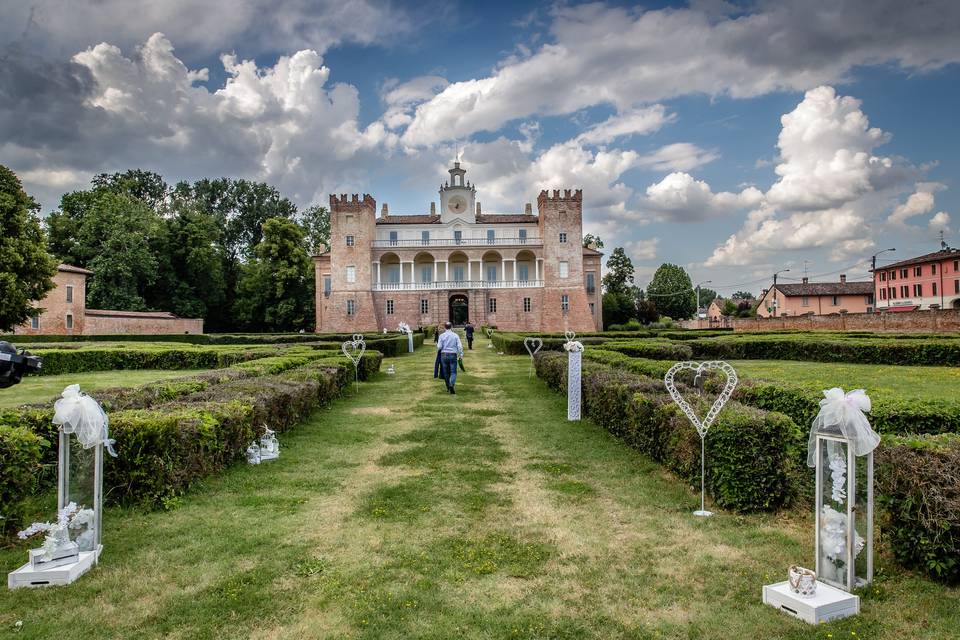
(748, 466)
(194, 338)
(21, 451)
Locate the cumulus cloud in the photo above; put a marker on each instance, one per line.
(679, 156)
(940, 221)
(632, 122)
(921, 201)
(679, 197)
(630, 57)
(640, 250)
(402, 98)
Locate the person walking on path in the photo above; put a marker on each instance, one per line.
(450, 349)
(469, 331)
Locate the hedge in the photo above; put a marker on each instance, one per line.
(193, 338)
(20, 452)
(748, 466)
(918, 486)
(81, 360)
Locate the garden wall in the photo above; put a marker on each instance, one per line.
(929, 321)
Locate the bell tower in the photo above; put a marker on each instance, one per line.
(457, 196)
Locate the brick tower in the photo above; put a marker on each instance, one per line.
(565, 301)
(349, 307)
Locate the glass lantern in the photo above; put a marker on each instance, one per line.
(269, 445)
(844, 520)
(80, 482)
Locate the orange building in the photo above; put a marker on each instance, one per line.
(816, 298)
(920, 283)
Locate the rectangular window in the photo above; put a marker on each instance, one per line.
(348, 218)
(805, 301)
(903, 273)
(459, 273)
(883, 276)
(918, 290)
(326, 286)
(457, 236)
(563, 238)
(425, 237)
(956, 266)
(69, 321)
(426, 274)
(522, 234)
(424, 306)
(492, 305)
(893, 292)
(893, 275)
(918, 271)
(956, 286)
(393, 238)
(351, 307)
(393, 274)
(523, 273)
(564, 303)
(836, 300)
(933, 269)
(593, 310)
(934, 288)
(883, 294)
(491, 236)
(389, 307)
(35, 320)
(491, 273)
(349, 241)
(69, 293)
(351, 273)
(527, 305)
(564, 269)
(591, 283)
(904, 291)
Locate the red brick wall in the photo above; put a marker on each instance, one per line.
(562, 213)
(943, 320)
(98, 325)
(53, 320)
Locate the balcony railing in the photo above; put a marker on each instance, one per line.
(457, 284)
(461, 242)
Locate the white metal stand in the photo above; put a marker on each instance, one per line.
(828, 603)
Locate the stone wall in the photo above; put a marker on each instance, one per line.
(103, 322)
(930, 321)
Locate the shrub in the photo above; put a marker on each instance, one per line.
(941, 352)
(918, 481)
(21, 452)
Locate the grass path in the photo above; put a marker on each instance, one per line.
(403, 512)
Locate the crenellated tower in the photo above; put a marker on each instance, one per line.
(349, 306)
(561, 227)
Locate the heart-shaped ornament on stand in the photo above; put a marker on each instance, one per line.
(702, 425)
(533, 345)
(354, 349)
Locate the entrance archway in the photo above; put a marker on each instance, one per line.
(459, 310)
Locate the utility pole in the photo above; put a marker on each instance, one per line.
(698, 300)
(873, 274)
(773, 290)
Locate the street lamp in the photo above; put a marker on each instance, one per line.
(698, 298)
(873, 274)
(774, 290)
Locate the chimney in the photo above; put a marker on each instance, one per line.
(843, 278)
(433, 208)
(528, 209)
(806, 279)
(478, 207)
(384, 212)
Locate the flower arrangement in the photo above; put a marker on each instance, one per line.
(71, 517)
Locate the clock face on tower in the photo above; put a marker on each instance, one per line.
(457, 204)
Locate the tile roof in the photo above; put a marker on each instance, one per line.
(409, 219)
(72, 269)
(943, 254)
(827, 289)
(505, 218)
(591, 252)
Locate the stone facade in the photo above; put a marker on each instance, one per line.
(65, 313)
(518, 272)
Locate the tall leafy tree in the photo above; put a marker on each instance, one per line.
(193, 279)
(672, 291)
(592, 239)
(707, 296)
(315, 221)
(742, 295)
(618, 308)
(619, 276)
(146, 186)
(276, 289)
(26, 269)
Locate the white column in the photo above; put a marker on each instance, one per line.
(503, 270)
(378, 271)
(536, 266)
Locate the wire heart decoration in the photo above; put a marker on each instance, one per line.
(570, 335)
(354, 350)
(489, 332)
(358, 337)
(699, 368)
(533, 345)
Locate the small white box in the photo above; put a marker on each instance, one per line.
(60, 558)
(828, 603)
(27, 576)
(264, 456)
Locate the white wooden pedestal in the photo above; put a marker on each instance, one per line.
(27, 576)
(829, 603)
(264, 456)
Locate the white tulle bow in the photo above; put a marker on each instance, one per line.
(844, 413)
(78, 413)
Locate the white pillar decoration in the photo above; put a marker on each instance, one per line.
(403, 327)
(574, 367)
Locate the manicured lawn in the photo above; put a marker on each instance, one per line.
(403, 512)
(923, 383)
(44, 388)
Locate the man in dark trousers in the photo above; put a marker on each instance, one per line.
(450, 350)
(469, 331)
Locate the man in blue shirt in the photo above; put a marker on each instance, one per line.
(450, 349)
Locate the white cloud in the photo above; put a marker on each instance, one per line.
(629, 57)
(679, 156)
(632, 122)
(921, 201)
(940, 221)
(402, 98)
(679, 197)
(640, 250)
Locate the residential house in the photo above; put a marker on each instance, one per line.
(816, 298)
(924, 282)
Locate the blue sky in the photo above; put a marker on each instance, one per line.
(735, 139)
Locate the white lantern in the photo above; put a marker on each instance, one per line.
(269, 445)
(253, 453)
(72, 545)
(844, 534)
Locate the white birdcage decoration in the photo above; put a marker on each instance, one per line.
(72, 543)
(269, 445)
(841, 449)
(253, 453)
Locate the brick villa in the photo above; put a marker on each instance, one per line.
(518, 272)
(816, 298)
(931, 280)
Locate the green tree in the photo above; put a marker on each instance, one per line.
(672, 290)
(742, 295)
(619, 276)
(595, 240)
(276, 291)
(315, 221)
(618, 308)
(193, 279)
(729, 308)
(146, 186)
(647, 311)
(707, 296)
(26, 269)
